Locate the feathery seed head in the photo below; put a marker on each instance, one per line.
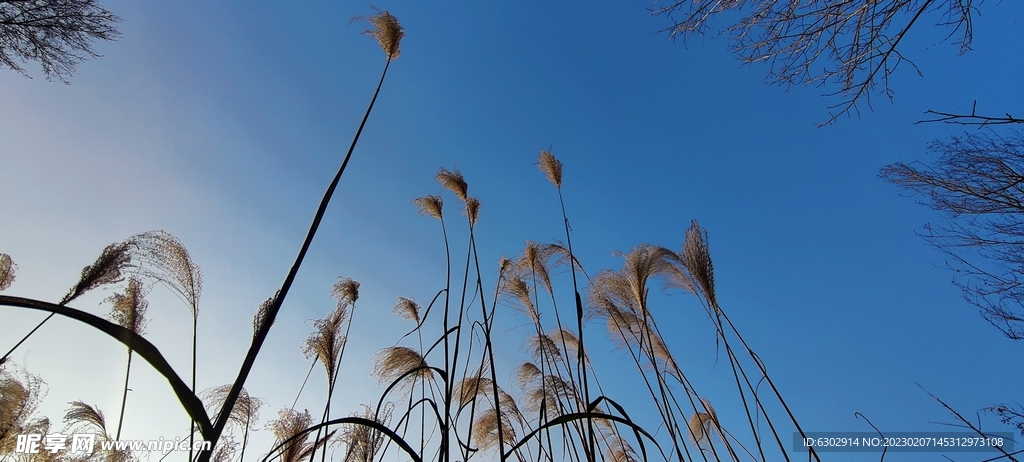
(246, 411)
(697, 259)
(129, 308)
(80, 414)
(391, 363)
(105, 270)
(430, 205)
(346, 291)
(387, 31)
(551, 167)
(487, 426)
(326, 342)
(454, 182)
(407, 309)
(263, 314)
(163, 257)
(7, 270)
(473, 210)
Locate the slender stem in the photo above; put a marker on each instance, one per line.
(192, 422)
(124, 397)
(275, 306)
(581, 352)
(15, 347)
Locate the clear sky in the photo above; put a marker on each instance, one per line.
(223, 122)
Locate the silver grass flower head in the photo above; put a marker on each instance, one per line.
(105, 270)
(263, 314)
(7, 270)
(551, 167)
(392, 363)
(487, 426)
(697, 259)
(407, 309)
(129, 308)
(387, 31)
(246, 411)
(454, 182)
(430, 205)
(473, 210)
(81, 414)
(346, 291)
(163, 257)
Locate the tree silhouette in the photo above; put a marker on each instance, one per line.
(56, 33)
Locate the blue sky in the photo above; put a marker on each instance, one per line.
(223, 122)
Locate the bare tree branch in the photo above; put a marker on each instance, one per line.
(971, 119)
(56, 33)
(845, 42)
(978, 183)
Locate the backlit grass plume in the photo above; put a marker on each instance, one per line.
(105, 270)
(288, 424)
(163, 257)
(551, 167)
(387, 31)
(245, 413)
(82, 418)
(19, 399)
(7, 270)
(454, 182)
(430, 205)
(391, 364)
(407, 309)
(129, 311)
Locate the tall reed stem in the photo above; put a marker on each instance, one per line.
(261, 335)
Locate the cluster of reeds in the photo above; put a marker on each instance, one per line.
(442, 398)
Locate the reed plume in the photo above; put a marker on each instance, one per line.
(129, 311)
(618, 450)
(390, 364)
(362, 443)
(325, 342)
(107, 269)
(487, 426)
(164, 258)
(473, 210)
(263, 315)
(516, 287)
(387, 31)
(7, 270)
(407, 309)
(454, 182)
(697, 260)
(19, 399)
(289, 424)
(551, 167)
(346, 291)
(245, 413)
(430, 205)
(82, 418)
